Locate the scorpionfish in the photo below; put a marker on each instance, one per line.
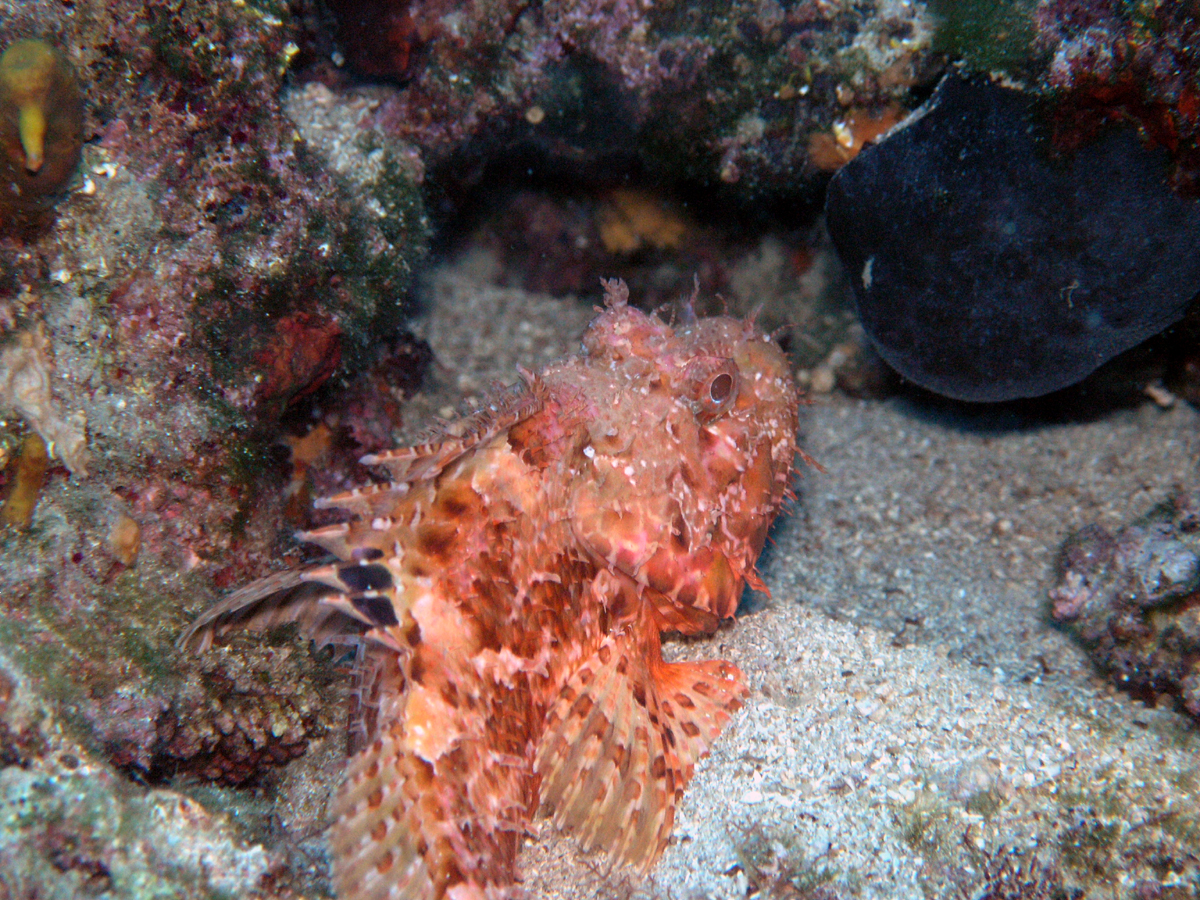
(505, 591)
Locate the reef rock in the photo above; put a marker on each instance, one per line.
(1133, 600)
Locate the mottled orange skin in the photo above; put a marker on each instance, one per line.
(507, 589)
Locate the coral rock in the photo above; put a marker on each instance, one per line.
(1133, 600)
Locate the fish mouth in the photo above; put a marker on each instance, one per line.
(690, 593)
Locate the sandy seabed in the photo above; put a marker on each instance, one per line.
(914, 714)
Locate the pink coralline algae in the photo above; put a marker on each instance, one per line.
(1120, 62)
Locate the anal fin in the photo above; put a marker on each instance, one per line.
(622, 740)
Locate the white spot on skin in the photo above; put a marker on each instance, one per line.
(589, 451)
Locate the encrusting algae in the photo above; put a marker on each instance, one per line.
(506, 590)
(41, 129)
(25, 369)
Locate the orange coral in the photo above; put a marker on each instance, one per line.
(125, 540)
(830, 150)
(32, 466)
(630, 219)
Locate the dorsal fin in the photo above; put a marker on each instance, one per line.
(622, 740)
(330, 538)
(368, 501)
(442, 446)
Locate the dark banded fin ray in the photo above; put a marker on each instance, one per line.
(442, 446)
(275, 600)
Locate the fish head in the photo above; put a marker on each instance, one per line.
(686, 458)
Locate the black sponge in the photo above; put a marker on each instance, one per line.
(987, 267)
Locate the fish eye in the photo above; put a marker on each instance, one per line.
(720, 388)
(714, 386)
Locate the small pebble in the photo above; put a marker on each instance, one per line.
(821, 380)
(125, 540)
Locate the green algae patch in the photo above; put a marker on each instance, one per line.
(1123, 828)
(988, 35)
(936, 830)
(985, 803)
(776, 865)
(275, 329)
(75, 654)
(193, 42)
(108, 667)
(1097, 825)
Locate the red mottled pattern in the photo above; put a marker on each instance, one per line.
(506, 589)
(305, 351)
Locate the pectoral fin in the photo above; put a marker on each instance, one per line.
(622, 740)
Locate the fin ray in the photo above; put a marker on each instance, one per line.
(376, 854)
(442, 446)
(622, 740)
(290, 596)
